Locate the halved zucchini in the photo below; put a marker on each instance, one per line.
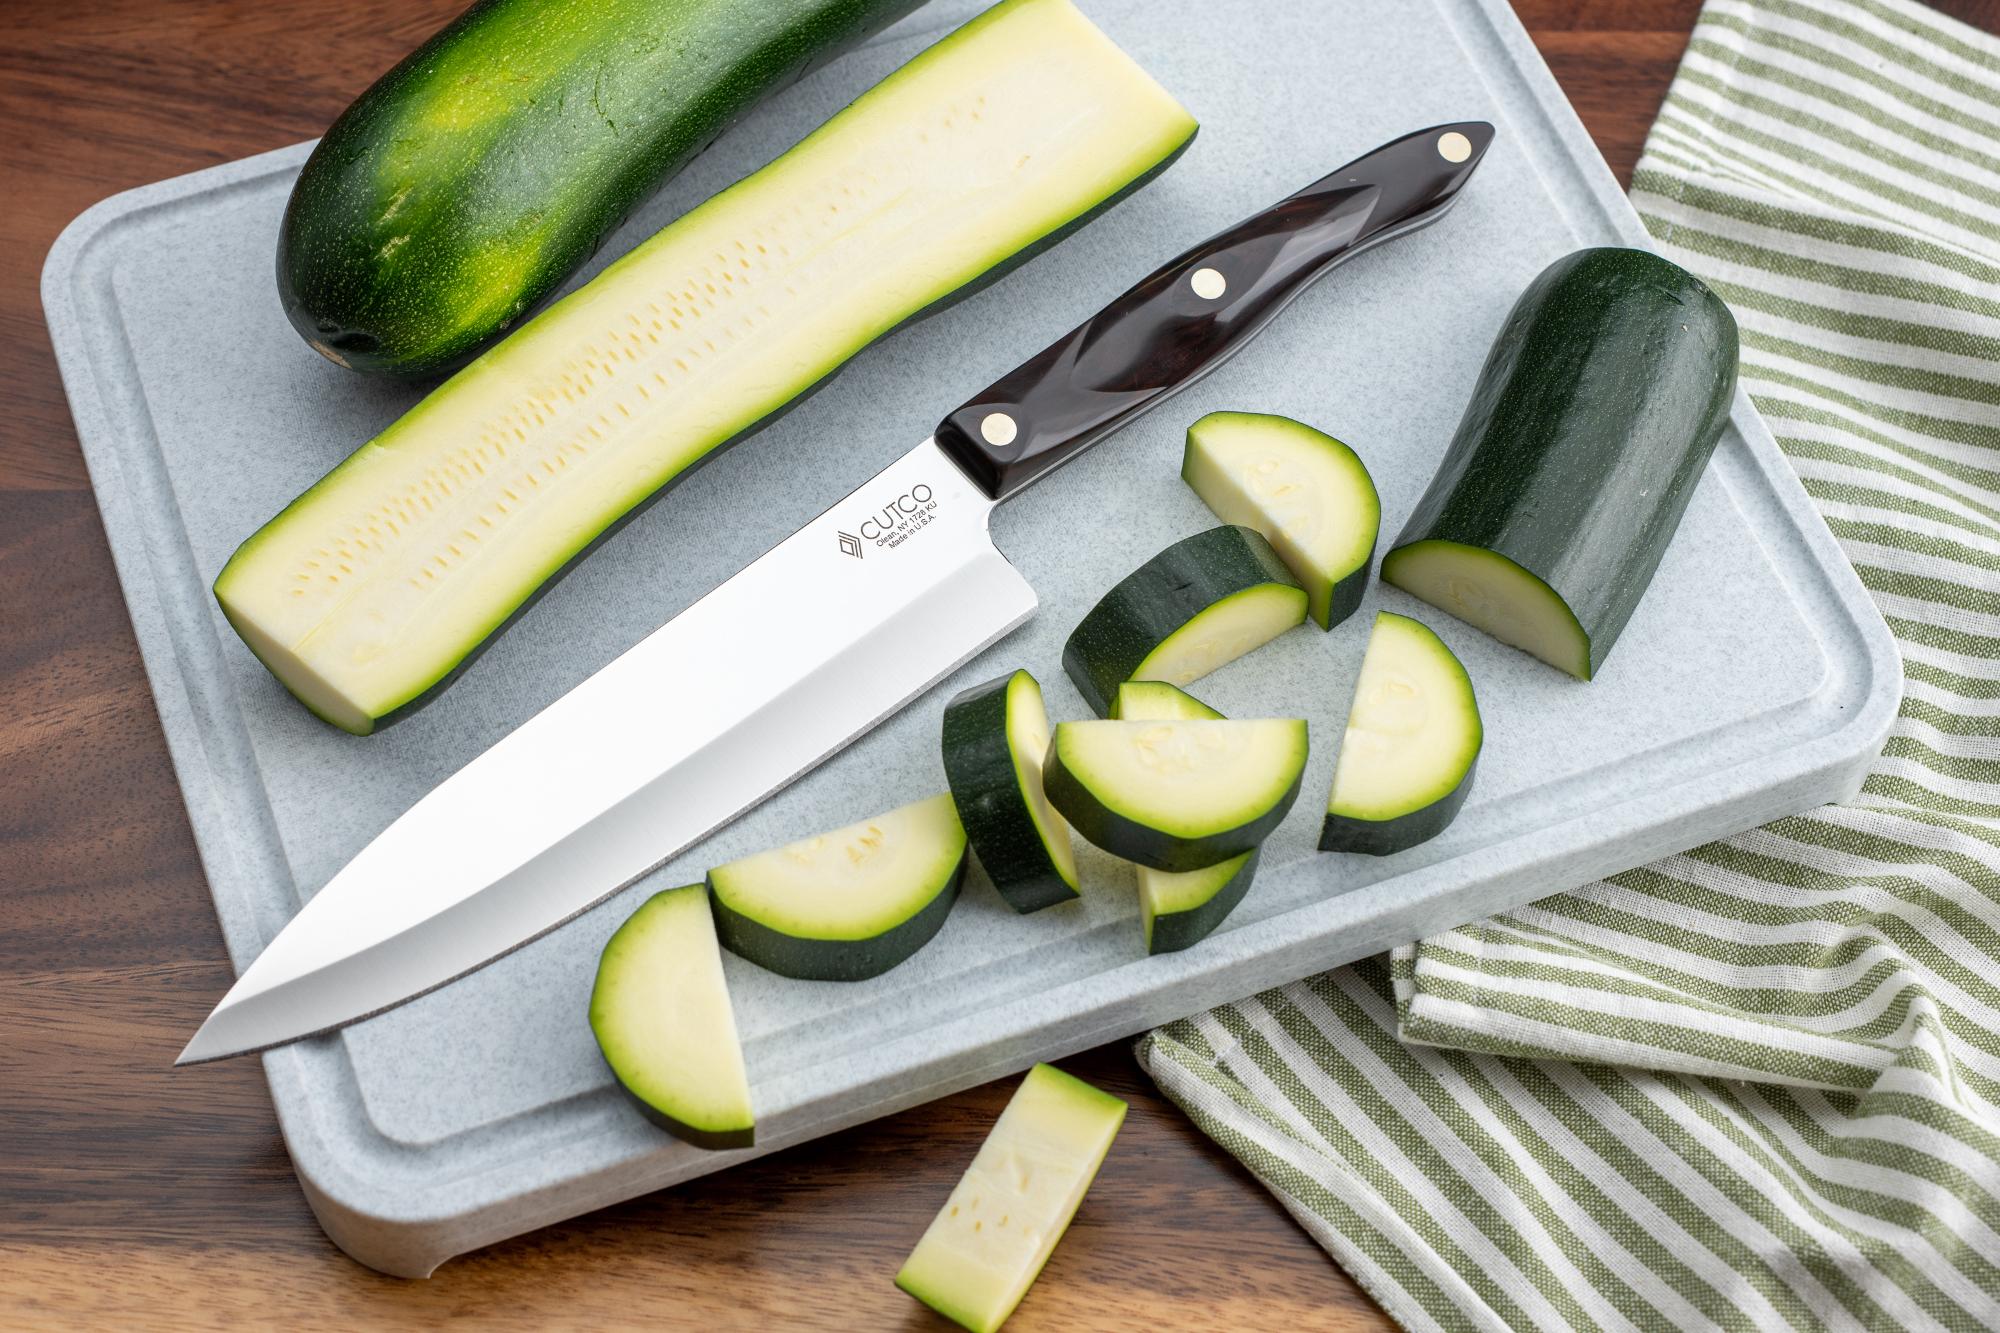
(1157, 701)
(989, 1241)
(1176, 795)
(1304, 490)
(845, 905)
(1201, 603)
(1178, 909)
(660, 1011)
(372, 587)
(1413, 739)
(995, 738)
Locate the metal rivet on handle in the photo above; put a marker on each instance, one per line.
(1207, 283)
(1454, 147)
(998, 429)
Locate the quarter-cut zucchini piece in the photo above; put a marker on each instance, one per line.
(845, 905)
(1304, 490)
(995, 738)
(661, 1014)
(471, 179)
(988, 1243)
(376, 584)
(1157, 701)
(1201, 603)
(1590, 424)
(1413, 738)
(1176, 795)
(1177, 909)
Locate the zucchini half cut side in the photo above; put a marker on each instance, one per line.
(995, 738)
(1413, 740)
(1200, 604)
(1177, 910)
(1002, 1221)
(1176, 795)
(845, 905)
(1489, 592)
(661, 1014)
(373, 586)
(1308, 493)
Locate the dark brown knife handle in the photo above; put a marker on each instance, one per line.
(1185, 318)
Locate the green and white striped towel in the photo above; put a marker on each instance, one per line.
(1756, 1085)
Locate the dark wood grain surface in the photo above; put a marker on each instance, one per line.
(135, 1195)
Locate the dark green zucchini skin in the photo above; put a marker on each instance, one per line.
(1148, 846)
(1174, 931)
(834, 960)
(458, 192)
(1158, 598)
(1593, 417)
(1386, 837)
(713, 1140)
(979, 765)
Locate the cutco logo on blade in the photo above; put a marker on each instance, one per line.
(894, 523)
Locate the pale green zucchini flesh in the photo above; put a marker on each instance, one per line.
(372, 587)
(990, 1240)
(1305, 491)
(661, 1014)
(845, 905)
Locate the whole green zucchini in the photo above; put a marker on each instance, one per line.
(474, 177)
(1596, 411)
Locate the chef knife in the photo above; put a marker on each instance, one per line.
(831, 631)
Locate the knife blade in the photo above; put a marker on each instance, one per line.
(727, 703)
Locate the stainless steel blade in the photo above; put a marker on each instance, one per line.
(742, 692)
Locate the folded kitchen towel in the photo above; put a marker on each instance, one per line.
(1756, 1085)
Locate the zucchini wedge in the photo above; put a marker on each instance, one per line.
(661, 1014)
(1200, 604)
(1591, 422)
(374, 586)
(990, 1240)
(1413, 740)
(846, 905)
(1305, 491)
(1157, 701)
(995, 738)
(1176, 795)
(1178, 910)
(463, 187)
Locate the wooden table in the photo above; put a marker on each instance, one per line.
(132, 1192)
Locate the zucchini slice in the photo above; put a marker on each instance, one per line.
(1180, 909)
(1308, 493)
(845, 905)
(1176, 795)
(1157, 701)
(1591, 422)
(1413, 739)
(1200, 604)
(990, 1240)
(995, 738)
(371, 588)
(660, 1011)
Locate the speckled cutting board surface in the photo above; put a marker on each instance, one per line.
(1754, 680)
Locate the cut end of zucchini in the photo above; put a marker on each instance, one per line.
(1157, 701)
(996, 736)
(1490, 592)
(1413, 737)
(661, 1014)
(990, 1240)
(845, 905)
(1305, 491)
(1231, 628)
(1176, 795)
(1180, 910)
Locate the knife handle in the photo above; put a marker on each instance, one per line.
(1183, 319)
